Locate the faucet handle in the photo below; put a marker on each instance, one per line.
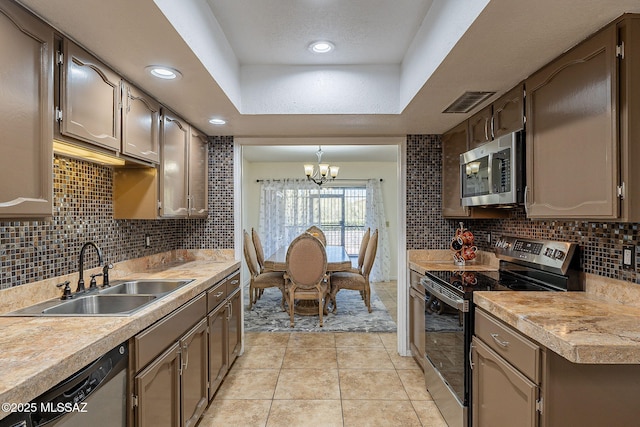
(93, 284)
(66, 292)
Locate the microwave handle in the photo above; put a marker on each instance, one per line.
(489, 169)
(526, 200)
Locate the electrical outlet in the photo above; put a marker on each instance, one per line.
(628, 257)
(489, 237)
(147, 241)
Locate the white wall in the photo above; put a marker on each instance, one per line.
(388, 171)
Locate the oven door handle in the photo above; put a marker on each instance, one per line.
(445, 295)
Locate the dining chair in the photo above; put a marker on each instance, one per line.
(356, 281)
(363, 249)
(317, 232)
(306, 275)
(260, 281)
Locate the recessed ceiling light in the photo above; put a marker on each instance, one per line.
(217, 122)
(321, 46)
(163, 72)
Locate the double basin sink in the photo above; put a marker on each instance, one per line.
(120, 299)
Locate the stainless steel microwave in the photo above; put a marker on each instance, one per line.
(494, 173)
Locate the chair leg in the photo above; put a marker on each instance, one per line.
(251, 290)
(320, 308)
(367, 299)
(334, 292)
(291, 303)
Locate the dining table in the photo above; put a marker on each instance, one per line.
(337, 260)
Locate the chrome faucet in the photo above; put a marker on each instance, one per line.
(80, 287)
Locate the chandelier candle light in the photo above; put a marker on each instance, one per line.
(323, 173)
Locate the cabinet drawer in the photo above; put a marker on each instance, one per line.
(159, 336)
(414, 281)
(233, 283)
(513, 347)
(216, 295)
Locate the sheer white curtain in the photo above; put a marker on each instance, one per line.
(280, 199)
(376, 219)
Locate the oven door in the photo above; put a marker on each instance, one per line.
(447, 334)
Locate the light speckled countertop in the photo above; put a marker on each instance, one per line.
(580, 326)
(442, 260)
(39, 352)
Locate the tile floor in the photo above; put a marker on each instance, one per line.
(388, 294)
(322, 379)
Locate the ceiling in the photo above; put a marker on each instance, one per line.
(394, 69)
(330, 153)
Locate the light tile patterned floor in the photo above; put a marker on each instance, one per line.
(322, 379)
(388, 294)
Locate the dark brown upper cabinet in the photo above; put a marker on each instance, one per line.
(26, 114)
(90, 98)
(505, 115)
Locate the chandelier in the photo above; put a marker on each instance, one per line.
(323, 172)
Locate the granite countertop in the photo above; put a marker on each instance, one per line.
(442, 260)
(582, 327)
(39, 352)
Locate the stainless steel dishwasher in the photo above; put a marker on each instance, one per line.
(94, 396)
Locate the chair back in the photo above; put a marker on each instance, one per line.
(370, 254)
(316, 232)
(363, 248)
(257, 244)
(306, 261)
(250, 255)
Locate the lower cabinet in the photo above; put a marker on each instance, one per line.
(179, 362)
(416, 318)
(518, 382)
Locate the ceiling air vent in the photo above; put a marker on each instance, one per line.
(467, 102)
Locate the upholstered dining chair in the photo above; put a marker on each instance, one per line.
(260, 281)
(316, 232)
(257, 243)
(356, 281)
(363, 249)
(306, 274)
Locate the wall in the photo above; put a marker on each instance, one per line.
(37, 250)
(388, 171)
(600, 242)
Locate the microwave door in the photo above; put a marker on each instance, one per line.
(475, 177)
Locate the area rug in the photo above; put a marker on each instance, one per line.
(351, 316)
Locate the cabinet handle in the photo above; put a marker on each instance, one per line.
(219, 294)
(504, 344)
(234, 282)
(471, 356)
(526, 200)
(493, 133)
(185, 363)
(486, 130)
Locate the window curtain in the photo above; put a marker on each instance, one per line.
(280, 199)
(376, 219)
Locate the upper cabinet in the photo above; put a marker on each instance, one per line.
(198, 174)
(454, 143)
(26, 114)
(140, 124)
(572, 133)
(503, 116)
(90, 98)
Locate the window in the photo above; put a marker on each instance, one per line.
(339, 211)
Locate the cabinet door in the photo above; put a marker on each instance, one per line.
(501, 395)
(416, 325)
(26, 114)
(480, 128)
(173, 182)
(572, 143)
(158, 390)
(140, 124)
(454, 143)
(508, 112)
(194, 373)
(90, 99)
(218, 348)
(235, 331)
(198, 174)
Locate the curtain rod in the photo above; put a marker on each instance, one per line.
(337, 179)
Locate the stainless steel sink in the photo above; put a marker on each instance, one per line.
(146, 287)
(92, 305)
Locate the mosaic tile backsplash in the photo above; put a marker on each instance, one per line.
(83, 211)
(600, 243)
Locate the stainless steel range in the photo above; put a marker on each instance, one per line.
(525, 265)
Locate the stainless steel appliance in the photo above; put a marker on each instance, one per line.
(94, 396)
(525, 265)
(494, 174)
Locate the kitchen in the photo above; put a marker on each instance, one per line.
(29, 248)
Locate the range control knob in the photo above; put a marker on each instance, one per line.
(548, 252)
(558, 254)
